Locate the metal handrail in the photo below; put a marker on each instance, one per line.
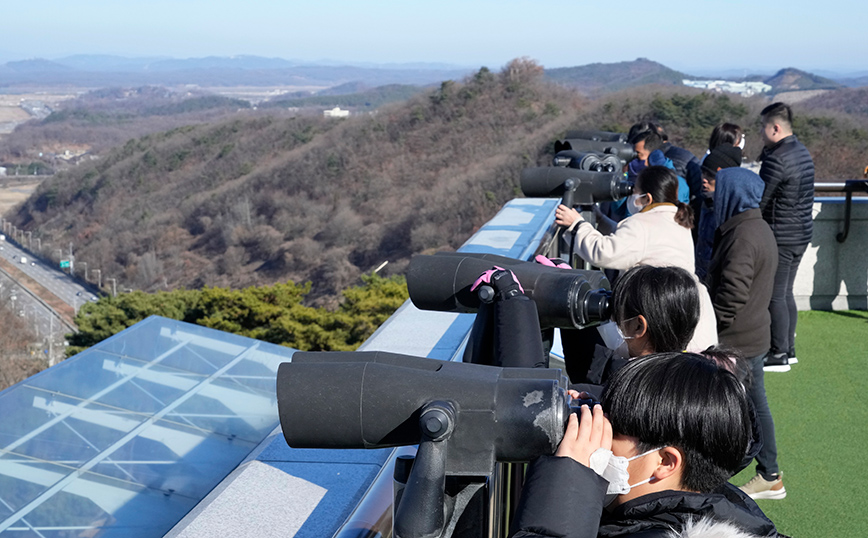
(848, 187)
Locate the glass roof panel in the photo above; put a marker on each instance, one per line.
(125, 438)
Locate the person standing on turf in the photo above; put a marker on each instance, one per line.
(788, 172)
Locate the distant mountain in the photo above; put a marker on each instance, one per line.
(218, 62)
(345, 89)
(838, 75)
(856, 82)
(731, 74)
(600, 78)
(37, 65)
(95, 71)
(107, 63)
(791, 79)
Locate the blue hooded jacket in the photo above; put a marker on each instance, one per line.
(735, 191)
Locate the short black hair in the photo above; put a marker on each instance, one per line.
(686, 401)
(778, 111)
(667, 297)
(639, 128)
(653, 140)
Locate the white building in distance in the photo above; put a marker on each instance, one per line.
(336, 112)
(742, 88)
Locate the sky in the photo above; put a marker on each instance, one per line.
(689, 35)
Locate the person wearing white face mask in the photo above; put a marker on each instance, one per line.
(655, 465)
(654, 309)
(658, 234)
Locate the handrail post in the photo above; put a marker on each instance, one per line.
(850, 186)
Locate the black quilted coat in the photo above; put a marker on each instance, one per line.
(788, 172)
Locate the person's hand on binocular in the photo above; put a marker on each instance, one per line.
(585, 434)
(504, 283)
(566, 216)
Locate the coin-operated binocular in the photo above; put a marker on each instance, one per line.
(464, 417)
(507, 332)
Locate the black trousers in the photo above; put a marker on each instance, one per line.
(783, 305)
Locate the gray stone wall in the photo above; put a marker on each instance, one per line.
(833, 275)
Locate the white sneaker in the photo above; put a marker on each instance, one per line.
(760, 488)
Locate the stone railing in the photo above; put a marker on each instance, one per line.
(833, 275)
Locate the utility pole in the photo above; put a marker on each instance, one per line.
(29, 240)
(39, 244)
(85, 270)
(98, 278)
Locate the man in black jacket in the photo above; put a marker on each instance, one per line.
(788, 172)
(743, 267)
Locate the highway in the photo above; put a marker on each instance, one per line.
(53, 279)
(43, 319)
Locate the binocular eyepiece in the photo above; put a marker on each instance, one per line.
(592, 162)
(620, 149)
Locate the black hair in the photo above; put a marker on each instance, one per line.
(639, 128)
(686, 401)
(724, 133)
(662, 184)
(653, 140)
(667, 297)
(780, 112)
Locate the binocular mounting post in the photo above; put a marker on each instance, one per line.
(421, 509)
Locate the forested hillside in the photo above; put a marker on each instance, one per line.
(264, 199)
(267, 199)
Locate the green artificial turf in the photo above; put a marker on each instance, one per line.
(820, 409)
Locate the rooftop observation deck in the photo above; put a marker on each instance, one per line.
(133, 437)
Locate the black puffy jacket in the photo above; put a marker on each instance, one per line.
(563, 498)
(788, 172)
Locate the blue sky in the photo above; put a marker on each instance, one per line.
(688, 35)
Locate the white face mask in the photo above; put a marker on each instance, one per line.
(613, 338)
(633, 205)
(741, 143)
(614, 469)
(621, 331)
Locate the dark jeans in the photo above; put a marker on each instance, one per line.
(783, 305)
(767, 459)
